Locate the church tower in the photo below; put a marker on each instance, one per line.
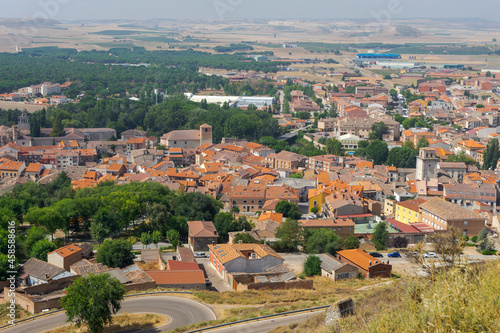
(426, 164)
(24, 123)
(205, 134)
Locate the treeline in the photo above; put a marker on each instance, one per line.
(171, 114)
(92, 70)
(233, 48)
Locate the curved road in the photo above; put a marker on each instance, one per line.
(263, 326)
(182, 312)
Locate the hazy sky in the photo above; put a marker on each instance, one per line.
(226, 9)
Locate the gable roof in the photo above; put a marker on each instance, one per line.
(175, 265)
(202, 229)
(177, 277)
(67, 250)
(228, 252)
(359, 257)
(330, 263)
(41, 269)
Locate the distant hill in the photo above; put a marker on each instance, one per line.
(400, 31)
(20, 23)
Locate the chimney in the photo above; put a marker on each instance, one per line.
(370, 263)
(46, 276)
(240, 242)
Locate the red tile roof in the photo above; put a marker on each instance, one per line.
(67, 250)
(177, 277)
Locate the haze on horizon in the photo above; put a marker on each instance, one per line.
(250, 9)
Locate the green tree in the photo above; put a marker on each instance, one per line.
(379, 237)
(288, 209)
(92, 300)
(378, 130)
(334, 146)
(361, 151)
(57, 129)
(377, 151)
(33, 235)
(351, 242)
(314, 210)
(291, 233)
(172, 237)
(115, 253)
(6, 266)
(323, 241)
(461, 157)
(41, 248)
(403, 157)
(312, 265)
(244, 237)
(422, 143)
(156, 237)
(491, 155)
(225, 223)
(145, 239)
(98, 232)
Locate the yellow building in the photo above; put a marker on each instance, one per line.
(317, 197)
(408, 211)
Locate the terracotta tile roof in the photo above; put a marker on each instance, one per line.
(278, 217)
(34, 167)
(228, 252)
(115, 167)
(67, 250)
(359, 257)
(447, 210)
(330, 223)
(175, 265)
(471, 144)
(413, 204)
(403, 227)
(11, 165)
(364, 164)
(177, 277)
(202, 229)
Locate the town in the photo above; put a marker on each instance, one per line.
(282, 183)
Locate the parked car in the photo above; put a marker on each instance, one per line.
(394, 255)
(200, 255)
(430, 255)
(376, 254)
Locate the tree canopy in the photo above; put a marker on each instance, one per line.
(377, 151)
(288, 209)
(92, 300)
(115, 253)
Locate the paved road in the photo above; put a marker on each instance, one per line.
(181, 311)
(267, 325)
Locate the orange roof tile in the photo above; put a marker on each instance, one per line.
(67, 250)
(359, 257)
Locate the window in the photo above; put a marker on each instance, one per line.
(244, 201)
(339, 229)
(466, 222)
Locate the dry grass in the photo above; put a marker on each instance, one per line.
(324, 292)
(262, 303)
(313, 324)
(148, 266)
(20, 313)
(123, 322)
(461, 300)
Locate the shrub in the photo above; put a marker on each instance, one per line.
(312, 265)
(488, 252)
(474, 239)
